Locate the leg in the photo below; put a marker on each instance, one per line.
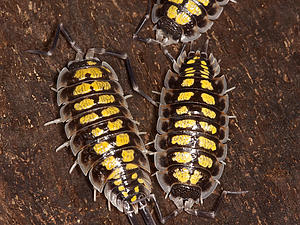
(65, 33)
(212, 214)
(144, 211)
(131, 75)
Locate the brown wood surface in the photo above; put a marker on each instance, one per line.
(258, 43)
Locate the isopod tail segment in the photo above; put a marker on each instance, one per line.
(90, 54)
(117, 166)
(180, 20)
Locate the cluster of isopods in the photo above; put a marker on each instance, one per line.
(192, 123)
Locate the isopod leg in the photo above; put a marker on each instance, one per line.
(147, 217)
(133, 219)
(212, 214)
(66, 34)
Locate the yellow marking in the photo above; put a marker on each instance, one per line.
(205, 161)
(196, 57)
(204, 2)
(116, 125)
(128, 155)
(122, 139)
(91, 63)
(204, 76)
(204, 67)
(105, 99)
(203, 62)
(121, 188)
(207, 144)
(93, 71)
(172, 12)
(205, 84)
(106, 69)
(206, 72)
(182, 18)
(195, 177)
(208, 113)
(181, 139)
(131, 166)
(189, 69)
(208, 127)
(193, 9)
(118, 182)
(185, 123)
(84, 104)
(187, 82)
(141, 181)
(82, 89)
(185, 96)
(182, 175)
(88, 118)
(191, 61)
(182, 110)
(137, 189)
(102, 147)
(182, 157)
(134, 176)
(125, 194)
(114, 174)
(133, 198)
(112, 110)
(97, 132)
(176, 1)
(101, 85)
(190, 74)
(109, 163)
(208, 99)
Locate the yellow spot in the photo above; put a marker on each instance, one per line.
(190, 74)
(102, 147)
(204, 2)
(181, 139)
(118, 182)
(205, 161)
(207, 144)
(114, 174)
(182, 18)
(206, 72)
(191, 61)
(112, 110)
(172, 12)
(105, 99)
(93, 71)
(125, 194)
(187, 82)
(131, 166)
(185, 123)
(137, 189)
(128, 155)
(176, 1)
(204, 76)
(205, 84)
(203, 62)
(182, 110)
(208, 127)
(109, 163)
(82, 89)
(116, 125)
(208, 99)
(101, 85)
(88, 118)
(133, 198)
(122, 139)
(193, 9)
(204, 67)
(121, 188)
(97, 132)
(182, 175)
(185, 96)
(106, 69)
(182, 157)
(208, 113)
(196, 57)
(141, 181)
(187, 70)
(134, 176)
(84, 104)
(195, 177)
(91, 63)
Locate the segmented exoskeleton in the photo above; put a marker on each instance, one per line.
(101, 131)
(180, 20)
(192, 132)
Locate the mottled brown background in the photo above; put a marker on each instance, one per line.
(258, 43)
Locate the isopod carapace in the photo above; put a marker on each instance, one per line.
(193, 131)
(180, 20)
(101, 131)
